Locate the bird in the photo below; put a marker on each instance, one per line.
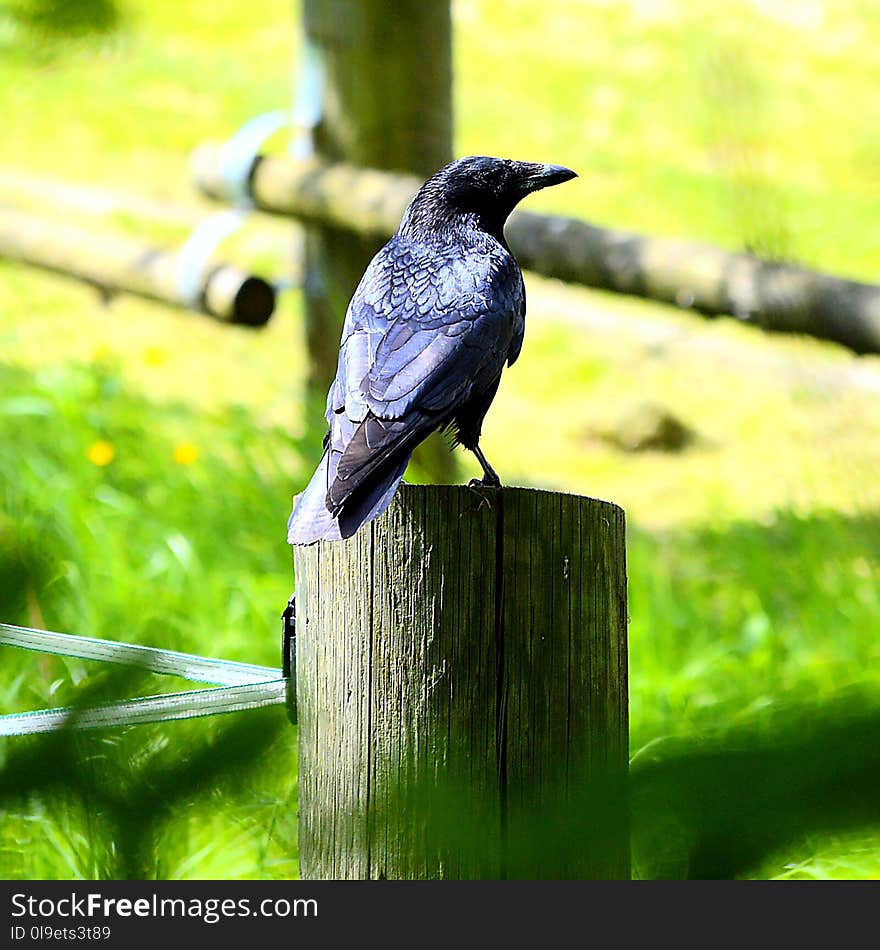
(436, 317)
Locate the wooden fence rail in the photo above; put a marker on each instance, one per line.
(113, 264)
(775, 296)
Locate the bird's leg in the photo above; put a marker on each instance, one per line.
(490, 477)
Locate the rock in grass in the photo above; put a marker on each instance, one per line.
(648, 427)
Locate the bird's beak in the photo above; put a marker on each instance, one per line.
(549, 175)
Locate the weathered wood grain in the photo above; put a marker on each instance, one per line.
(462, 690)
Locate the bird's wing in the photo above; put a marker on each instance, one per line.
(423, 332)
(519, 326)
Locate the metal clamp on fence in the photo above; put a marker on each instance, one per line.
(193, 257)
(238, 155)
(236, 686)
(288, 655)
(225, 172)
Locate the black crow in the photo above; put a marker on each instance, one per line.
(437, 314)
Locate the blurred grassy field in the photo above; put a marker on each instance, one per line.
(148, 457)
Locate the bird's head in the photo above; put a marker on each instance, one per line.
(480, 189)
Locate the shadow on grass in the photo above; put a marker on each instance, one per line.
(699, 810)
(737, 634)
(66, 19)
(726, 621)
(123, 788)
(717, 809)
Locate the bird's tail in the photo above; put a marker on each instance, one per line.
(312, 521)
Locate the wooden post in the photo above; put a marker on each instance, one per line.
(462, 690)
(386, 104)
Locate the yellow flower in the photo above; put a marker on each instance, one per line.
(101, 453)
(185, 453)
(155, 355)
(102, 353)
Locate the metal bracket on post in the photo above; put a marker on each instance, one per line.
(238, 155)
(308, 107)
(237, 159)
(288, 655)
(193, 257)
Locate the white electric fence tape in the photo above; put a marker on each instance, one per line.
(134, 712)
(185, 665)
(241, 685)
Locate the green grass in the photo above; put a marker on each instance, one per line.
(753, 554)
(674, 113)
(727, 621)
(145, 549)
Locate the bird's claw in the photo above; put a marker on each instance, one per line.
(478, 487)
(485, 482)
(483, 500)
